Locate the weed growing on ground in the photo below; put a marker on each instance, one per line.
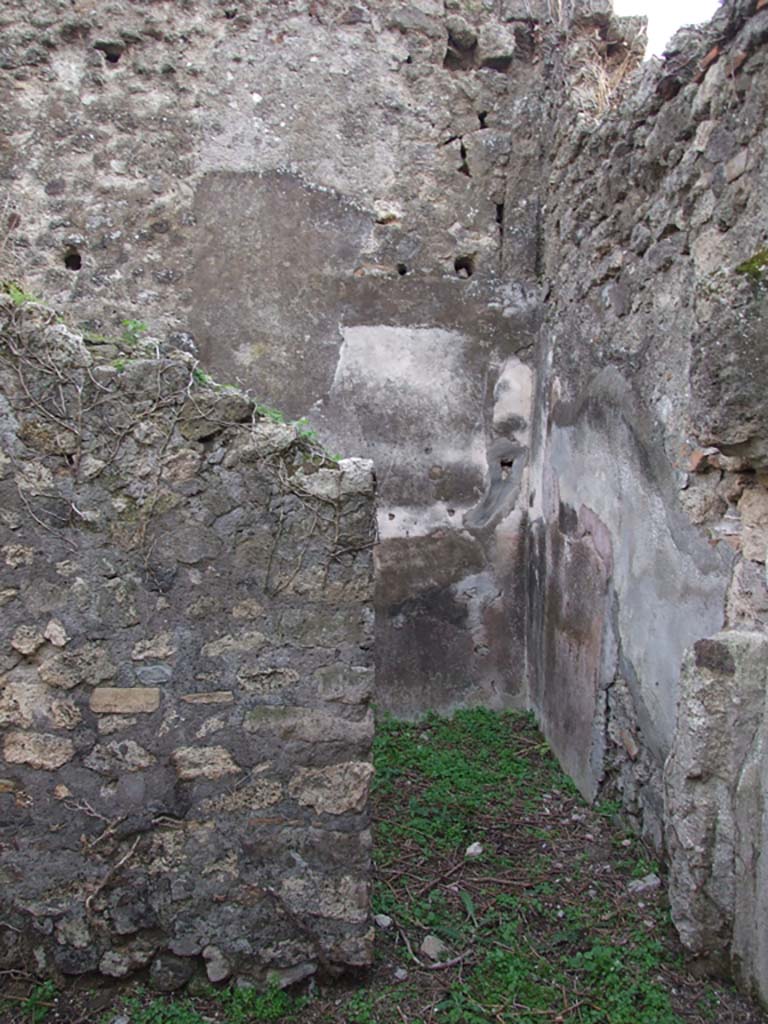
(459, 783)
(231, 1005)
(542, 924)
(38, 1003)
(159, 1011)
(33, 1008)
(608, 808)
(246, 1005)
(361, 1008)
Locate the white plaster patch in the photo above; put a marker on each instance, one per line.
(419, 360)
(68, 73)
(412, 398)
(513, 397)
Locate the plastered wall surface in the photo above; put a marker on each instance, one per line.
(648, 480)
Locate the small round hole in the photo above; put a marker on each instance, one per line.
(73, 260)
(402, 269)
(464, 266)
(112, 51)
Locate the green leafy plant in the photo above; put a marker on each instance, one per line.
(609, 808)
(645, 866)
(38, 1004)
(18, 295)
(755, 266)
(361, 1009)
(623, 982)
(201, 377)
(133, 331)
(161, 1011)
(457, 783)
(304, 430)
(274, 415)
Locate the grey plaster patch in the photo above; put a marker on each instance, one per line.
(276, 289)
(670, 582)
(409, 396)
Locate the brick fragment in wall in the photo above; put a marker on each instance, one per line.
(307, 725)
(203, 762)
(344, 899)
(27, 639)
(212, 697)
(753, 508)
(124, 700)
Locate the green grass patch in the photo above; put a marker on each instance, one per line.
(231, 1005)
(542, 923)
(462, 766)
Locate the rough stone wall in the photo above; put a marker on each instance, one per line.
(716, 824)
(186, 668)
(337, 203)
(464, 240)
(649, 497)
